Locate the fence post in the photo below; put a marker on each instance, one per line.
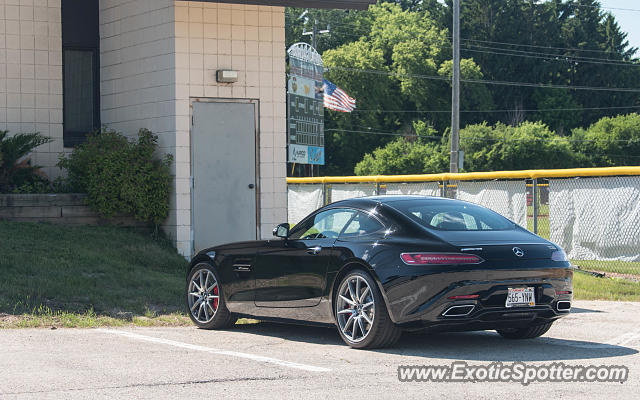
(535, 205)
(326, 193)
(377, 188)
(444, 189)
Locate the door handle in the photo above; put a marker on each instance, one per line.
(251, 186)
(314, 250)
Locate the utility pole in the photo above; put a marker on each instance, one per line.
(314, 35)
(315, 32)
(455, 95)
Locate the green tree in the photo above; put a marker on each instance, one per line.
(384, 70)
(561, 121)
(402, 156)
(556, 42)
(612, 141)
(531, 145)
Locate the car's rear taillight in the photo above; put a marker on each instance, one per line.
(464, 297)
(559, 255)
(440, 258)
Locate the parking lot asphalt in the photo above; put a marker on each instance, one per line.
(269, 360)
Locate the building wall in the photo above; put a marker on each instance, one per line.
(137, 74)
(31, 74)
(155, 57)
(158, 56)
(250, 40)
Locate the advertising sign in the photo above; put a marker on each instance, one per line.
(305, 105)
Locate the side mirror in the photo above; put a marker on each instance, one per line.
(281, 231)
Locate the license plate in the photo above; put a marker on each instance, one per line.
(521, 297)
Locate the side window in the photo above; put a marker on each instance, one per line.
(362, 224)
(327, 224)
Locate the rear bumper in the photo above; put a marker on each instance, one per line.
(422, 302)
(488, 318)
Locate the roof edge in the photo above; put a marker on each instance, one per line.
(341, 4)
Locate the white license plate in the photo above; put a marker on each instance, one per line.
(521, 297)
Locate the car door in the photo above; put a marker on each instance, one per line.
(292, 272)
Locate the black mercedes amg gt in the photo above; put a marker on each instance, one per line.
(376, 266)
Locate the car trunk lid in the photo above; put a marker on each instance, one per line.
(499, 245)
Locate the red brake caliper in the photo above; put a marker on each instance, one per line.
(215, 301)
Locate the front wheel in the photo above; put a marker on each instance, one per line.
(361, 315)
(205, 303)
(525, 333)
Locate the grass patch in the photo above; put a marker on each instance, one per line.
(587, 287)
(543, 220)
(620, 267)
(87, 277)
(84, 277)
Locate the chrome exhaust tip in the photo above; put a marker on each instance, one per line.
(563, 305)
(459, 311)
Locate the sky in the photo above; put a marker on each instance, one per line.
(629, 21)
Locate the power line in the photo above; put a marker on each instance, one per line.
(381, 133)
(554, 58)
(488, 82)
(606, 8)
(364, 31)
(594, 60)
(539, 47)
(481, 138)
(499, 111)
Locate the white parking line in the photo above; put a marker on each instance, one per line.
(210, 350)
(625, 338)
(620, 341)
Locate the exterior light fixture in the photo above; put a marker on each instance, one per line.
(226, 76)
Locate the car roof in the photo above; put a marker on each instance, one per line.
(383, 199)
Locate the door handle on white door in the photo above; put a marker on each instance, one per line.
(314, 250)
(251, 186)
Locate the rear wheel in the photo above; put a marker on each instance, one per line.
(361, 315)
(525, 333)
(205, 303)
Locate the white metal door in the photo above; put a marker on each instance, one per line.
(223, 164)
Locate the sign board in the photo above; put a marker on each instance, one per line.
(305, 106)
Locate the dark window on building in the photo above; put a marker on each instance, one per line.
(80, 63)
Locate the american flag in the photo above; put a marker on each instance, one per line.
(336, 99)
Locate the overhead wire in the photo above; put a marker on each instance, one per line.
(500, 111)
(488, 82)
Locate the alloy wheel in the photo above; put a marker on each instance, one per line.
(355, 308)
(203, 296)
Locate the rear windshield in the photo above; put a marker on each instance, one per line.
(449, 216)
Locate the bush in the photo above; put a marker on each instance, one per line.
(612, 141)
(404, 157)
(15, 170)
(121, 176)
(530, 145)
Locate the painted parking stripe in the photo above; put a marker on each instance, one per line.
(210, 350)
(625, 339)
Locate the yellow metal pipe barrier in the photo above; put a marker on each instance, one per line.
(474, 176)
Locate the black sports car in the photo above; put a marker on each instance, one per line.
(376, 266)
